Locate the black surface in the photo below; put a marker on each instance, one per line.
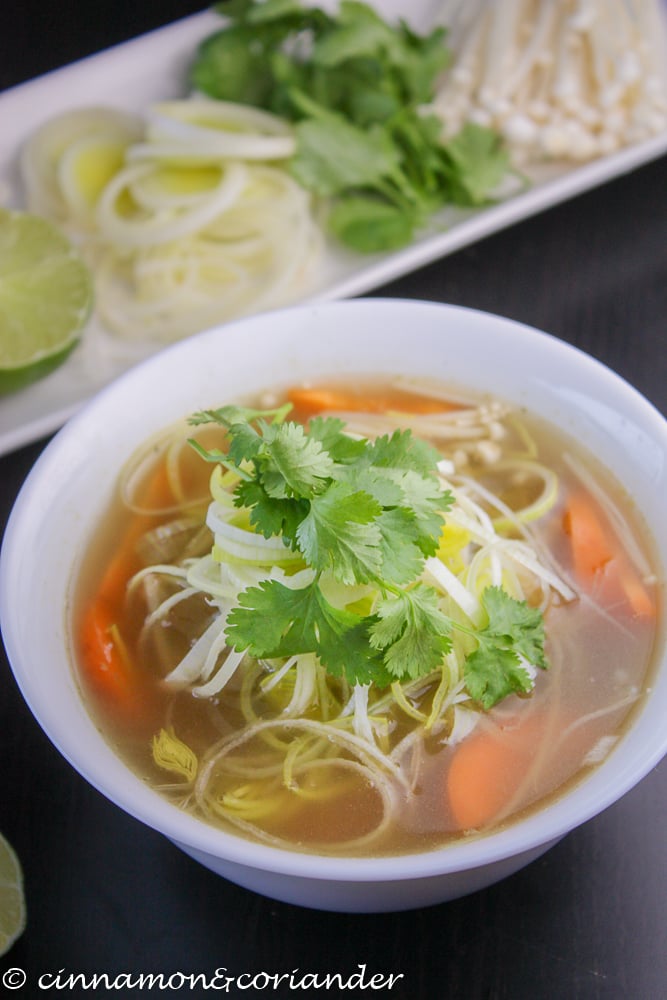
(588, 920)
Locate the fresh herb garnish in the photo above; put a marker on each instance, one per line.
(513, 636)
(368, 514)
(355, 86)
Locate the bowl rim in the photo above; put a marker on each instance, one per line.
(542, 826)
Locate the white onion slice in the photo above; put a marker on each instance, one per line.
(41, 154)
(194, 145)
(197, 227)
(216, 129)
(172, 187)
(163, 227)
(212, 114)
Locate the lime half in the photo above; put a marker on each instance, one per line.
(46, 295)
(12, 898)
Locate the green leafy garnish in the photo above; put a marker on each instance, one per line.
(514, 630)
(361, 514)
(412, 632)
(355, 87)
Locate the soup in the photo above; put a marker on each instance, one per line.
(364, 620)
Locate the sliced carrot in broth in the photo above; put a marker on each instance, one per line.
(308, 402)
(591, 550)
(599, 563)
(103, 655)
(487, 768)
(104, 658)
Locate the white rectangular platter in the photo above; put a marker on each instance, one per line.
(154, 67)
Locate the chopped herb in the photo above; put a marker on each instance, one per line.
(355, 87)
(360, 513)
(513, 636)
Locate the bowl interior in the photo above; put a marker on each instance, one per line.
(70, 486)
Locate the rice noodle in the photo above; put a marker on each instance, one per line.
(194, 663)
(359, 747)
(168, 605)
(516, 550)
(381, 785)
(224, 672)
(373, 766)
(451, 585)
(304, 687)
(132, 477)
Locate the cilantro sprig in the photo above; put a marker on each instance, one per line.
(355, 86)
(512, 637)
(366, 513)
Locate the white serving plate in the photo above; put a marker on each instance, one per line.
(154, 67)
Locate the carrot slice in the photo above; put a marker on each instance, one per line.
(591, 550)
(308, 402)
(103, 655)
(486, 770)
(638, 596)
(599, 563)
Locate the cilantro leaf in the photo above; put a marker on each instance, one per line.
(329, 431)
(333, 156)
(237, 63)
(402, 557)
(352, 37)
(376, 482)
(422, 58)
(229, 67)
(401, 450)
(410, 62)
(355, 85)
(340, 534)
(493, 672)
(369, 223)
(517, 622)
(286, 11)
(271, 516)
(291, 463)
(224, 415)
(275, 621)
(410, 464)
(244, 441)
(514, 631)
(353, 657)
(426, 165)
(478, 164)
(427, 502)
(412, 632)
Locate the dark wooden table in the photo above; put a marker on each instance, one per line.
(589, 919)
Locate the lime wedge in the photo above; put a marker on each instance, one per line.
(46, 295)
(12, 898)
